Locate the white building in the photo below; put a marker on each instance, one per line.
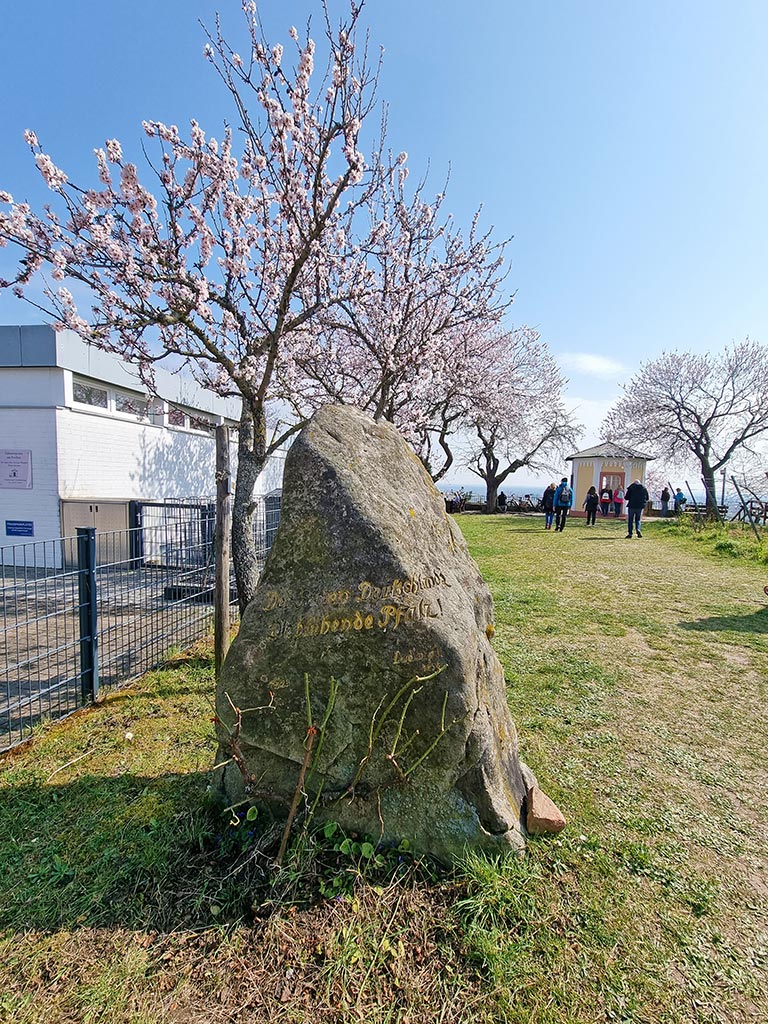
(605, 465)
(80, 438)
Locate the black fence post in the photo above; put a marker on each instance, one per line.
(86, 582)
(135, 535)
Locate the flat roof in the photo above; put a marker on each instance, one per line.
(42, 345)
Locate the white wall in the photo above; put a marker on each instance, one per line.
(33, 430)
(35, 387)
(105, 457)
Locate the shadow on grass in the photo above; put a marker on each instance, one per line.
(162, 690)
(757, 622)
(129, 850)
(609, 539)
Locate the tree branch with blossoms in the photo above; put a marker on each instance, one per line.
(519, 418)
(709, 408)
(394, 349)
(225, 263)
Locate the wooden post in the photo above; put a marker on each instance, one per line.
(223, 544)
(745, 507)
(695, 503)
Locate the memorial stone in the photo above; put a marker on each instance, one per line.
(363, 672)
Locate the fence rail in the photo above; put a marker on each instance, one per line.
(80, 614)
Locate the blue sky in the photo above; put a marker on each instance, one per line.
(623, 145)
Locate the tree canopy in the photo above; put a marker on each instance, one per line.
(280, 263)
(703, 407)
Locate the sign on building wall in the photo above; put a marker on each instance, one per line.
(15, 469)
(19, 528)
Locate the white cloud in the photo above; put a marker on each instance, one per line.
(590, 412)
(592, 365)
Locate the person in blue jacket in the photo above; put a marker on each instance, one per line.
(563, 501)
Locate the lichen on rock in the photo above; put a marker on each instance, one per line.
(370, 600)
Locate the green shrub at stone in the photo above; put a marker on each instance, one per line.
(363, 672)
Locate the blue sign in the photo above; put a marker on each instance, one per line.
(19, 528)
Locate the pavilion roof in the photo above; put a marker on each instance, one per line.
(610, 450)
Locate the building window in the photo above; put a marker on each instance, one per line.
(157, 412)
(89, 394)
(201, 423)
(131, 405)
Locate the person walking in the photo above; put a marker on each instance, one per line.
(548, 504)
(562, 502)
(606, 496)
(618, 502)
(665, 496)
(590, 504)
(637, 496)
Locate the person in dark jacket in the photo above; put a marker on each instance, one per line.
(606, 497)
(590, 503)
(562, 502)
(665, 496)
(548, 504)
(636, 498)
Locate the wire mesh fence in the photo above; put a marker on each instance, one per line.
(78, 614)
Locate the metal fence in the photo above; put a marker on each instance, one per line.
(79, 614)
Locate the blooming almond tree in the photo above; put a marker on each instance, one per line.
(707, 407)
(225, 260)
(397, 348)
(518, 417)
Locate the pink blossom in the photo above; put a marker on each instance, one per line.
(59, 266)
(54, 177)
(30, 138)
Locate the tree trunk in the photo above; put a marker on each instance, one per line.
(491, 494)
(708, 476)
(251, 447)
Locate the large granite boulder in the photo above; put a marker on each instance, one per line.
(372, 624)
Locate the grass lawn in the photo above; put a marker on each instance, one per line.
(638, 679)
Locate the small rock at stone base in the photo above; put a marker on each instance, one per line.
(543, 814)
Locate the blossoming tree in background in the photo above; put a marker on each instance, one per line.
(709, 408)
(228, 257)
(402, 348)
(518, 417)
